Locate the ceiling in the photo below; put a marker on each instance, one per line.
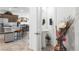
(14, 9)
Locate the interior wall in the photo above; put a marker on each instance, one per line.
(70, 42)
(51, 28)
(77, 30)
(61, 15)
(47, 13)
(63, 12)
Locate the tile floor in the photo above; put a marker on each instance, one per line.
(18, 45)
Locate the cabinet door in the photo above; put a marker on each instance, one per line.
(11, 18)
(8, 37)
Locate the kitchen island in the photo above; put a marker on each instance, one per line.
(12, 35)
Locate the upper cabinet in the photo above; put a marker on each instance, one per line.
(11, 18)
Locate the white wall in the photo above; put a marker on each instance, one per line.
(77, 30)
(70, 43)
(61, 15)
(47, 13)
(63, 12)
(51, 28)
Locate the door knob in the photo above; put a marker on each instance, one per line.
(37, 33)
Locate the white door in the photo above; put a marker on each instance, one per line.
(35, 29)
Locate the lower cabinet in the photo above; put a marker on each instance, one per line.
(9, 37)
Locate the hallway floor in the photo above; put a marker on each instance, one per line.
(18, 45)
(48, 48)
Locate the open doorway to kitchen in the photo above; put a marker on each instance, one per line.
(14, 28)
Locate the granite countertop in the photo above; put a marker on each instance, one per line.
(6, 32)
(10, 32)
